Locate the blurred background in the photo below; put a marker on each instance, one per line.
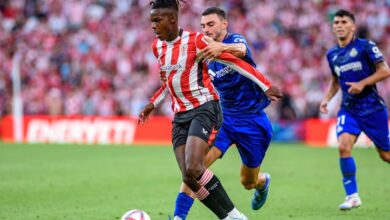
(78, 72)
(94, 57)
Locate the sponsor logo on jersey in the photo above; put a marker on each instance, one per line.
(172, 67)
(354, 66)
(220, 73)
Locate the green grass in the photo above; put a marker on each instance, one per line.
(102, 182)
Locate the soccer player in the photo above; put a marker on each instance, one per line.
(194, 101)
(356, 65)
(245, 123)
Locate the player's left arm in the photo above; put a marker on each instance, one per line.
(214, 49)
(244, 69)
(382, 70)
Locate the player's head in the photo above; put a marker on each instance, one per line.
(214, 23)
(164, 18)
(344, 24)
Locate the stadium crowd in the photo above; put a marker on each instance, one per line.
(94, 57)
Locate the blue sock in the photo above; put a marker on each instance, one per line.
(183, 205)
(348, 169)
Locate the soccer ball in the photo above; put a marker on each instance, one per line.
(135, 215)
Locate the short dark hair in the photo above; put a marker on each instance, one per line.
(215, 10)
(342, 13)
(173, 4)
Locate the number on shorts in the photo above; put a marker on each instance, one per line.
(341, 120)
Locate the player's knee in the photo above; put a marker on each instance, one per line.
(194, 171)
(345, 149)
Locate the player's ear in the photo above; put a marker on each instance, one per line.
(225, 23)
(173, 17)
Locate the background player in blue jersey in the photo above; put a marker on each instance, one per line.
(244, 121)
(356, 65)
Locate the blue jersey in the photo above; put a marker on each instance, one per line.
(353, 63)
(239, 95)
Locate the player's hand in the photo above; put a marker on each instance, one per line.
(144, 115)
(355, 87)
(274, 93)
(213, 50)
(324, 107)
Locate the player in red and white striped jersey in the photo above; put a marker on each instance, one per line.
(194, 101)
(187, 79)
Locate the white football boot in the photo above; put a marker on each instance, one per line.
(351, 201)
(242, 217)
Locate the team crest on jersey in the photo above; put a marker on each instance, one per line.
(183, 48)
(353, 53)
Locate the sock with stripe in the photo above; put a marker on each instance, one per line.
(211, 202)
(215, 188)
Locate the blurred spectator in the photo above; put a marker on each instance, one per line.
(93, 57)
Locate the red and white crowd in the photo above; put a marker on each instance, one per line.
(94, 57)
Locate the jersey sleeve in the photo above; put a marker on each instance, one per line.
(200, 42)
(373, 53)
(244, 69)
(237, 38)
(161, 93)
(328, 58)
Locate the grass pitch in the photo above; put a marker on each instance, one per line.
(77, 182)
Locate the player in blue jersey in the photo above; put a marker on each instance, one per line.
(356, 65)
(244, 121)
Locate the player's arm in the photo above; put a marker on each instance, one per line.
(252, 73)
(381, 73)
(330, 93)
(161, 93)
(214, 49)
(374, 56)
(244, 69)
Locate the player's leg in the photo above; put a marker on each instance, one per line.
(179, 139)
(253, 136)
(347, 132)
(376, 127)
(385, 155)
(252, 178)
(202, 181)
(206, 121)
(185, 198)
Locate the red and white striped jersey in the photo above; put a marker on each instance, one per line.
(186, 79)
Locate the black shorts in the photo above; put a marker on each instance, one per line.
(203, 122)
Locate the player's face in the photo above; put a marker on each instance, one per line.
(213, 26)
(343, 27)
(161, 24)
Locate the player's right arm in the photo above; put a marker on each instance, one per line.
(161, 93)
(330, 93)
(156, 99)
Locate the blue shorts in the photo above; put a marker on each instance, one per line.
(374, 125)
(252, 136)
